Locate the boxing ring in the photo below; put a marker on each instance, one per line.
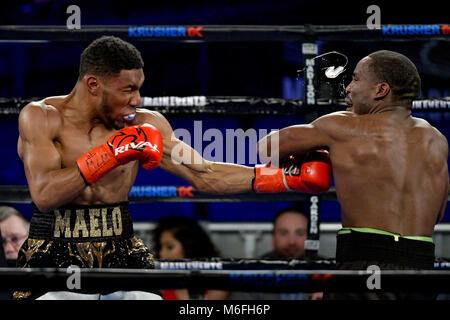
(308, 275)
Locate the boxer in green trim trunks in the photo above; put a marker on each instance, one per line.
(390, 169)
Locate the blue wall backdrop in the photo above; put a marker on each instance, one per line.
(42, 69)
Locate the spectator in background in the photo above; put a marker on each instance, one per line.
(2, 253)
(4, 295)
(184, 238)
(288, 234)
(288, 242)
(14, 230)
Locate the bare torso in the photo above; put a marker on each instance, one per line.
(390, 172)
(71, 142)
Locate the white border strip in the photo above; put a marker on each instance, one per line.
(259, 226)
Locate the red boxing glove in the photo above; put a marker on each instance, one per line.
(309, 173)
(316, 171)
(140, 142)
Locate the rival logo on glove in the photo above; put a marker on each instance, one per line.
(138, 147)
(140, 142)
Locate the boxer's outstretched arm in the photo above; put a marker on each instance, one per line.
(206, 176)
(299, 138)
(50, 185)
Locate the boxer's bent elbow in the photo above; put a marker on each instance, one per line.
(44, 204)
(44, 201)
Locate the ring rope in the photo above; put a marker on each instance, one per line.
(262, 264)
(176, 194)
(226, 33)
(235, 105)
(241, 280)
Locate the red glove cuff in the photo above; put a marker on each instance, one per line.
(268, 180)
(95, 163)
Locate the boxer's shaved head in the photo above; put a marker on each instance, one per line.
(399, 72)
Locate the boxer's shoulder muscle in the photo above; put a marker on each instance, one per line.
(38, 120)
(336, 124)
(156, 119)
(429, 135)
(432, 131)
(42, 117)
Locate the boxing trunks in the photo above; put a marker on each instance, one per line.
(359, 248)
(87, 236)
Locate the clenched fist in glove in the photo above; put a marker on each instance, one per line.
(140, 142)
(309, 173)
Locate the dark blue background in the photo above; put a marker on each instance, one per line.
(183, 69)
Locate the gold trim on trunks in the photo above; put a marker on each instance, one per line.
(33, 246)
(137, 245)
(21, 294)
(86, 252)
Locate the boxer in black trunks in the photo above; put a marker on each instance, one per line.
(390, 169)
(81, 154)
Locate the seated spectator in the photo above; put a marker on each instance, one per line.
(4, 295)
(184, 238)
(288, 242)
(14, 230)
(288, 234)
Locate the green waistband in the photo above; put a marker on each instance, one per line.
(386, 233)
